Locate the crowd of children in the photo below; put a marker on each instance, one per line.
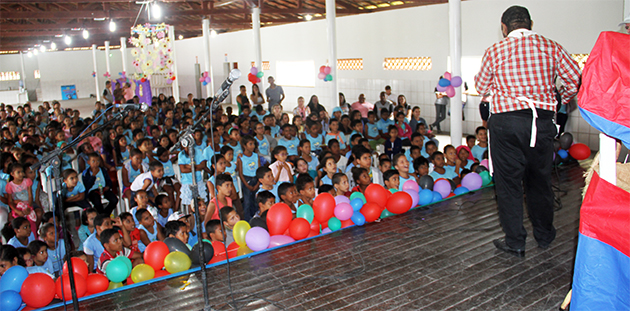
(243, 165)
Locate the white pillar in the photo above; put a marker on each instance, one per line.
(98, 92)
(455, 36)
(608, 158)
(23, 70)
(206, 56)
(175, 84)
(123, 53)
(257, 46)
(107, 60)
(626, 8)
(331, 15)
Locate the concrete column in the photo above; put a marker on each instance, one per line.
(98, 90)
(455, 39)
(331, 27)
(175, 84)
(206, 56)
(107, 59)
(123, 52)
(257, 47)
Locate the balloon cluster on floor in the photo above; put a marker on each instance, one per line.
(324, 73)
(565, 149)
(254, 75)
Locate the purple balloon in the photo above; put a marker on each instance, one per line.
(343, 211)
(472, 181)
(440, 88)
(341, 199)
(278, 240)
(456, 81)
(411, 185)
(327, 230)
(443, 187)
(257, 239)
(254, 71)
(415, 197)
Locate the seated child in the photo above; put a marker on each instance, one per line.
(213, 227)
(371, 131)
(402, 166)
(150, 230)
(222, 198)
(20, 195)
(265, 200)
(333, 133)
(421, 166)
(361, 179)
(470, 143)
(165, 211)
(335, 150)
(87, 225)
(39, 249)
(25, 258)
(327, 189)
(391, 179)
(310, 158)
(463, 153)
(148, 181)
(289, 141)
(92, 245)
(315, 137)
(23, 233)
(329, 167)
(385, 165)
(267, 181)
(131, 169)
(74, 191)
(341, 184)
(453, 163)
(57, 251)
(112, 248)
(247, 164)
(142, 202)
(479, 149)
(288, 195)
(438, 167)
(99, 185)
(393, 145)
(230, 217)
(128, 231)
(281, 168)
(305, 187)
(177, 229)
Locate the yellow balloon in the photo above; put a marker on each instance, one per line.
(141, 273)
(113, 285)
(244, 250)
(239, 232)
(177, 262)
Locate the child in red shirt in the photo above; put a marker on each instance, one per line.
(112, 243)
(130, 234)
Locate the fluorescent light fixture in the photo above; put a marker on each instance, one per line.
(317, 15)
(58, 36)
(29, 54)
(112, 26)
(53, 46)
(42, 49)
(371, 7)
(213, 33)
(308, 17)
(86, 34)
(67, 40)
(156, 11)
(383, 5)
(397, 3)
(181, 37)
(35, 52)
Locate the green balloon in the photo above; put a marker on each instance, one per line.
(485, 177)
(386, 214)
(329, 77)
(126, 260)
(305, 211)
(260, 74)
(334, 224)
(117, 271)
(359, 195)
(392, 190)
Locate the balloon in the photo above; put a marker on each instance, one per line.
(327, 70)
(239, 232)
(580, 151)
(279, 218)
(426, 182)
(460, 190)
(254, 70)
(277, 240)
(472, 181)
(436, 197)
(481, 168)
(205, 74)
(315, 225)
(126, 260)
(207, 79)
(440, 88)
(341, 199)
(385, 213)
(299, 228)
(96, 283)
(411, 185)
(343, 211)
(414, 197)
(347, 223)
(233, 250)
(176, 262)
(113, 285)
(556, 158)
(563, 154)
(456, 81)
(321, 76)
(450, 91)
(218, 249)
(443, 187)
(357, 195)
(356, 204)
(392, 190)
(38, 290)
(257, 239)
(556, 145)
(142, 272)
(425, 196)
(78, 266)
(334, 224)
(371, 211)
(444, 82)
(160, 273)
(322, 69)
(305, 211)
(175, 245)
(79, 283)
(323, 207)
(260, 74)
(143, 80)
(313, 233)
(154, 255)
(447, 75)
(566, 140)
(117, 271)
(484, 163)
(329, 77)
(202, 79)
(358, 219)
(244, 250)
(10, 300)
(208, 252)
(400, 202)
(326, 230)
(485, 178)
(375, 193)
(13, 278)
(204, 83)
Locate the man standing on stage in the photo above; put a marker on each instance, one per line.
(520, 71)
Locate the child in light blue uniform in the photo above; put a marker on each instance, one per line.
(289, 140)
(248, 163)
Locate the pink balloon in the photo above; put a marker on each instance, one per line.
(485, 163)
(341, 199)
(254, 70)
(447, 75)
(411, 185)
(205, 74)
(456, 81)
(277, 240)
(450, 91)
(201, 79)
(321, 75)
(415, 197)
(326, 230)
(343, 211)
(327, 70)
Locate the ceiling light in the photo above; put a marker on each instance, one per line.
(308, 17)
(35, 52)
(371, 7)
(317, 15)
(156, 11)
(213, 33)
(181, 37)
(397, 3)
(29, 54)
(58, 36)
(53, 46)
(383, 5)
(86, 34)
(42, 49)
(67, 40)
(112, 26)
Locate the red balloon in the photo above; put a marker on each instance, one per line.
(219, 252)
(96, 283)
(323, 207)
(299, 228)
(450, 195)
(143, 80)
(322, 69)
(347, 223)
(312, 233)
(79, 283)
(375, 193)
(129, 280)
(400, 202)
(371, 211)
(160, 273)
(155, 253)
(232, 250)
(78, 266)
(580, 151)
(279, 218)
(38, 290)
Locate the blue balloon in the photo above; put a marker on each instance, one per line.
(10, 300)
(204, 83)
(358, 218)
(436, 197)
(356, 204)
(425, 196)
(13, 278)
(444, 82)
(460, 190)
(563, 154)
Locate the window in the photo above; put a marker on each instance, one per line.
(350, 64)
(36, 74)
(266, 65)
(9, 76)
(300, 73)
(407, 63)
(580, 59)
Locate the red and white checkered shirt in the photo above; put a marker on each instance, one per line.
(525, 64)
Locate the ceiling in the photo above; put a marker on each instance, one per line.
(27, 24)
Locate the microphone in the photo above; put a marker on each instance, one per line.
(224, 91)
(142, 107)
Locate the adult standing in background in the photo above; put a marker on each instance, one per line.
(256, 97)
(520, 71)
(314, 106)
(441, 102)
(128, 92)
(384, 103)
(275, 94)
(626, 24)
(343, 104)
(241, 99)
(389, 95)
(108, 95)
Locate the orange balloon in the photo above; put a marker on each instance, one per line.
(279, 218)
(371, 211)
(323, 207)
(400, 202)
(299, 228)
(375, 193)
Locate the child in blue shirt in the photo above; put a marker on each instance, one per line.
(289, 141)
(315, 137)
(23, 233)
(479, 149)
(270, 121)
(267, 182)
(247, 164)
(264, 146)
(393, 145)
(56, 251)
(99, 185)
(39, 251)
(74, 191)
(92, 246)
(371, 131)
(438, 167)
(384, 123)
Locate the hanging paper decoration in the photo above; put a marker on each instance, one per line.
(255, 75)
(448, 84)
(324, 73)
(93, 74)
(205, 78)
(153, 52)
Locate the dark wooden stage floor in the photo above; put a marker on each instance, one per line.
(436, 258)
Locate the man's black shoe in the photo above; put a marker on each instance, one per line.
(500, 245)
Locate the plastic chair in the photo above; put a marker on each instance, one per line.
(123, 203)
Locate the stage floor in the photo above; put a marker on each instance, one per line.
(436, 258)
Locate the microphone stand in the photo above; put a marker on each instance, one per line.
(53, 159)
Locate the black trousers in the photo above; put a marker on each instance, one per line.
(517, 165)
(440, 115)
(95, 198)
